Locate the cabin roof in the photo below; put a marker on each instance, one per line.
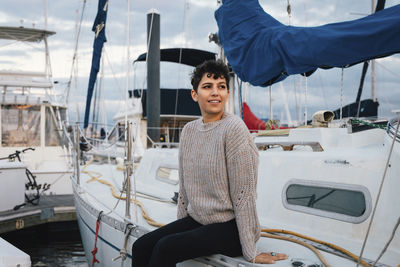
(24, 34)
(187, 56)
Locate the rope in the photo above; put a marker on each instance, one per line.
(95, 177)
(388, 243)
(333, 246)
(123, 251)
(277, 132)
(319, 255)
(379, 193)
(94, 251)
(91, 174)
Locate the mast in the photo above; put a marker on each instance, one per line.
(47, 56)
(45, 15)
(373, 80)
(128, 65)
(153, 75)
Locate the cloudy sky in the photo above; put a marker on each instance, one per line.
(185, 23)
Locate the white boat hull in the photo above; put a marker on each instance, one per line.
(347, 161)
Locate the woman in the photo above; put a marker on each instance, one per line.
(218, 164)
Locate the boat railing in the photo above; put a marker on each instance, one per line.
(97, 136)
(166, 145)
(26, 87)
(169, 137)
(391, 129)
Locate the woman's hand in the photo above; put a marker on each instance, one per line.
(269, 257)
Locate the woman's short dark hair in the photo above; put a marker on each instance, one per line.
(217, 68)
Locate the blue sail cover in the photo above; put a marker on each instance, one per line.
(263, 51)
(99, 27)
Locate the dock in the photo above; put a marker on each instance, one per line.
(51, 208)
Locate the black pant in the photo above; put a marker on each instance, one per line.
(185, 239)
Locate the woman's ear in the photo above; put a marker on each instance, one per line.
(194, 95)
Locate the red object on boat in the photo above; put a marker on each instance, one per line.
(251, 120)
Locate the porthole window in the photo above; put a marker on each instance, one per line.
(168, 175)
(345, 202)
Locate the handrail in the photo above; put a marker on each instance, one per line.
(391, 129)
(288, 146)
(165, 144)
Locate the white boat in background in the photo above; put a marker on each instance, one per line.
(31, 116)
(13, 175)
(12, 256)
(326, 196)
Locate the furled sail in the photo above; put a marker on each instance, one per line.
(262, 51)
(99, 28)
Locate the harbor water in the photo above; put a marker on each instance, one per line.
(51, 245)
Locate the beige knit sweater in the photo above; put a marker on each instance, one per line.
(218, 165)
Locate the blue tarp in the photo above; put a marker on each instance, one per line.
(99, 27)
(262, 51)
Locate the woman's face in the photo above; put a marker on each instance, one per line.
(211, 95)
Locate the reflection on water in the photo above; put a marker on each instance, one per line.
(67, 253)
(51, 245)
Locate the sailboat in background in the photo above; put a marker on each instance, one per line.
(31, 116)
(326, 195)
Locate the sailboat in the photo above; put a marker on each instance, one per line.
(327, 195)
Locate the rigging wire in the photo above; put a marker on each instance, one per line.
(289, 11)
(113, 73)
(341, 94)
(379, 192)
(75, 75)
(240, 85)
(270, 102)
(74, 58)
(388, 70)
(185, 17)
(305, 99)
(388, 243)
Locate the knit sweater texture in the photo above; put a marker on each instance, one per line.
(218, 163)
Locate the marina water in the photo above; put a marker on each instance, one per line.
(53, 244)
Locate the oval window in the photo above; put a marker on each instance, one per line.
(339, 201)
